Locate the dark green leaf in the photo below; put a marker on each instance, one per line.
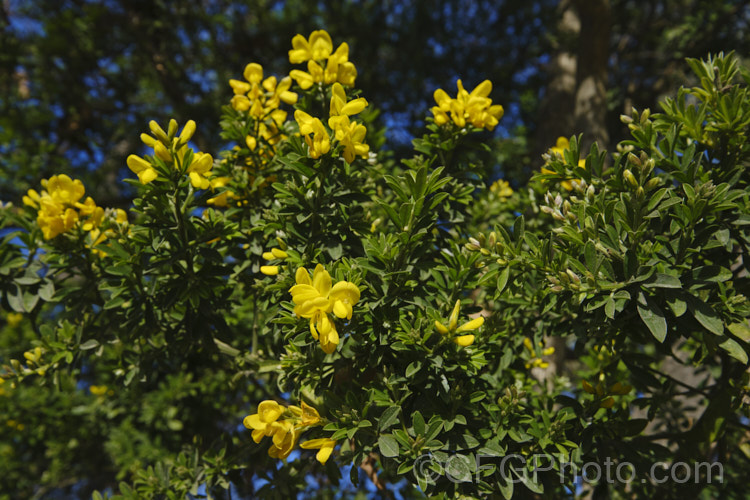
(388, 446)
(653, 317)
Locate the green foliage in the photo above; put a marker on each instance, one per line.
(141, 351)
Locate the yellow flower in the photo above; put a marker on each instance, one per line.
(268, 412)
(351, 135)
(558, 150)
(98, 390)
(318, 47)
(143, 169)
(536, 361)
(200, 169)
(33, 356)
(58, 206)
(315, 51)
(284, 432)
(453, 329)
(285, 436)
(474, 107)
(340, 107)
(275, 253)
(315, 134)
(600, 391)
(64, 190)
(344, 295)
(13, 319)
(324, 445)
(269, 270)
(222, 199)
(501, 189)
(315, 298)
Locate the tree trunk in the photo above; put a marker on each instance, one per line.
(591, 72)
(557, 109)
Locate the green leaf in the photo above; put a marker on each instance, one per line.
(16, 300)
(119, 270)
(706, 316)
(716, 274)
(388, 445)
(675, 303)
(734, 349)
(389, 417)
(505, 487)
(661, 280)
(518, 229)
(413, 368)
(502, 280)
(417, 421)
(89, 344)
(653, 317)
(741, 330)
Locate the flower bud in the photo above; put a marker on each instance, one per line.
(158, 132)
(573, 276)
(634, 160)
(652, 183)
(629, 178)
(590, 193)
(172, 128)
(187, 132)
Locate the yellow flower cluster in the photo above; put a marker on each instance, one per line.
(558, 150)
(600, 391)
(260, 98)
(324, 65)
(170, 151)
(59, 209)
(453, 329)
(536, 361)
(284, 432)
(315, 298)
(473, 107)
(224, 197)
(100, 391)
(348, 133)
(501, 189)
(273, 254)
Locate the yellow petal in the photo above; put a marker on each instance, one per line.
(303, 293)
(321, 280)
(279, 254)
(464, 340)
(253, 73)
(453, 320)
(254, 422)
(340, 309)
(269, 410)
(269, 270)
(471, 325)
(187, 131)
(137, 164)
(302, 276)
(147, 175)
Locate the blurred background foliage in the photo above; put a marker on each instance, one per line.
(78, 77)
